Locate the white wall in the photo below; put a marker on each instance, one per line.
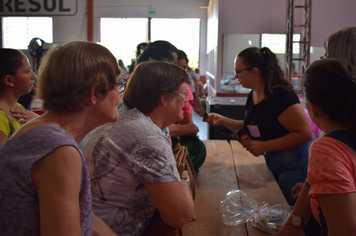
(69, 28)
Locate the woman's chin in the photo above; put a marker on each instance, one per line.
(181, 116)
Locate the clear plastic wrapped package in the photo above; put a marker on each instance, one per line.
(239, 207)
(270, 218)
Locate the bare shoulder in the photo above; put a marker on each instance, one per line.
(62, 165)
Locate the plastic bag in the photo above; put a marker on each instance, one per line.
(238, 207)
(270, 218)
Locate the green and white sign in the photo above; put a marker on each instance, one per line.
(38, 7)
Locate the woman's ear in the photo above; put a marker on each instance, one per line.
(93, 99)
(256, 71)
(8, 80)
(313, 110)
(164, 100)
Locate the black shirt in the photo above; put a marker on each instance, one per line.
(261, 120)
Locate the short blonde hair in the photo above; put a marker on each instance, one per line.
(149, 81)
(68, 73)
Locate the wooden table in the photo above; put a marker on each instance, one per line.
(229, 167)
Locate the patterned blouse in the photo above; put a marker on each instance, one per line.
(121, 157)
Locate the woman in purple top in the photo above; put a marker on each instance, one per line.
(45, 186)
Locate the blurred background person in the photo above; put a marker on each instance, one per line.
(166, 45)
(193, 80)
(123, 69)
(26, 99)
(140, 48)
(201, 82)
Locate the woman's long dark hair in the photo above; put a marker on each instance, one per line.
(266, 61)
(10, 61)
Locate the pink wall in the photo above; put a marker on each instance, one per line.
(330, 16)
(252, 16)
(269, 16)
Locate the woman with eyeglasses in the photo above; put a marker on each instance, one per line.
(186, 125)
(275, 123)
(131, 164)
(45, 185)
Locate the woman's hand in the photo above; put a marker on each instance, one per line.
(180, 130)
(296, 190)
(255, 147)
(289, 229)
(245, 139)
(22, 115)
(191, 129)
(213, 119)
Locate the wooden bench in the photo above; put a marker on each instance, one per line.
(229, 167)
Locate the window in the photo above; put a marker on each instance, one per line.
(122, 35)
(17, 32)
(277, 43)
(182, 33)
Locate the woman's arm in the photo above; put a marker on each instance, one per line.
(180, 130)
(215, 119)
(301, 209)
(296, 190)
(174, 202)
(57, 179)
(196, 82)
(340, 213)
(100, 228)
(187, 118)
(296, 122)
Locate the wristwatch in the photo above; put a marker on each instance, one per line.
(296, 220)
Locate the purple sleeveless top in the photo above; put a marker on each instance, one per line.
(19, 206)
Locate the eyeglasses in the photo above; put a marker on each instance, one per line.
(121, 85)
(184, 94)
(322, 57)
(237, 72)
